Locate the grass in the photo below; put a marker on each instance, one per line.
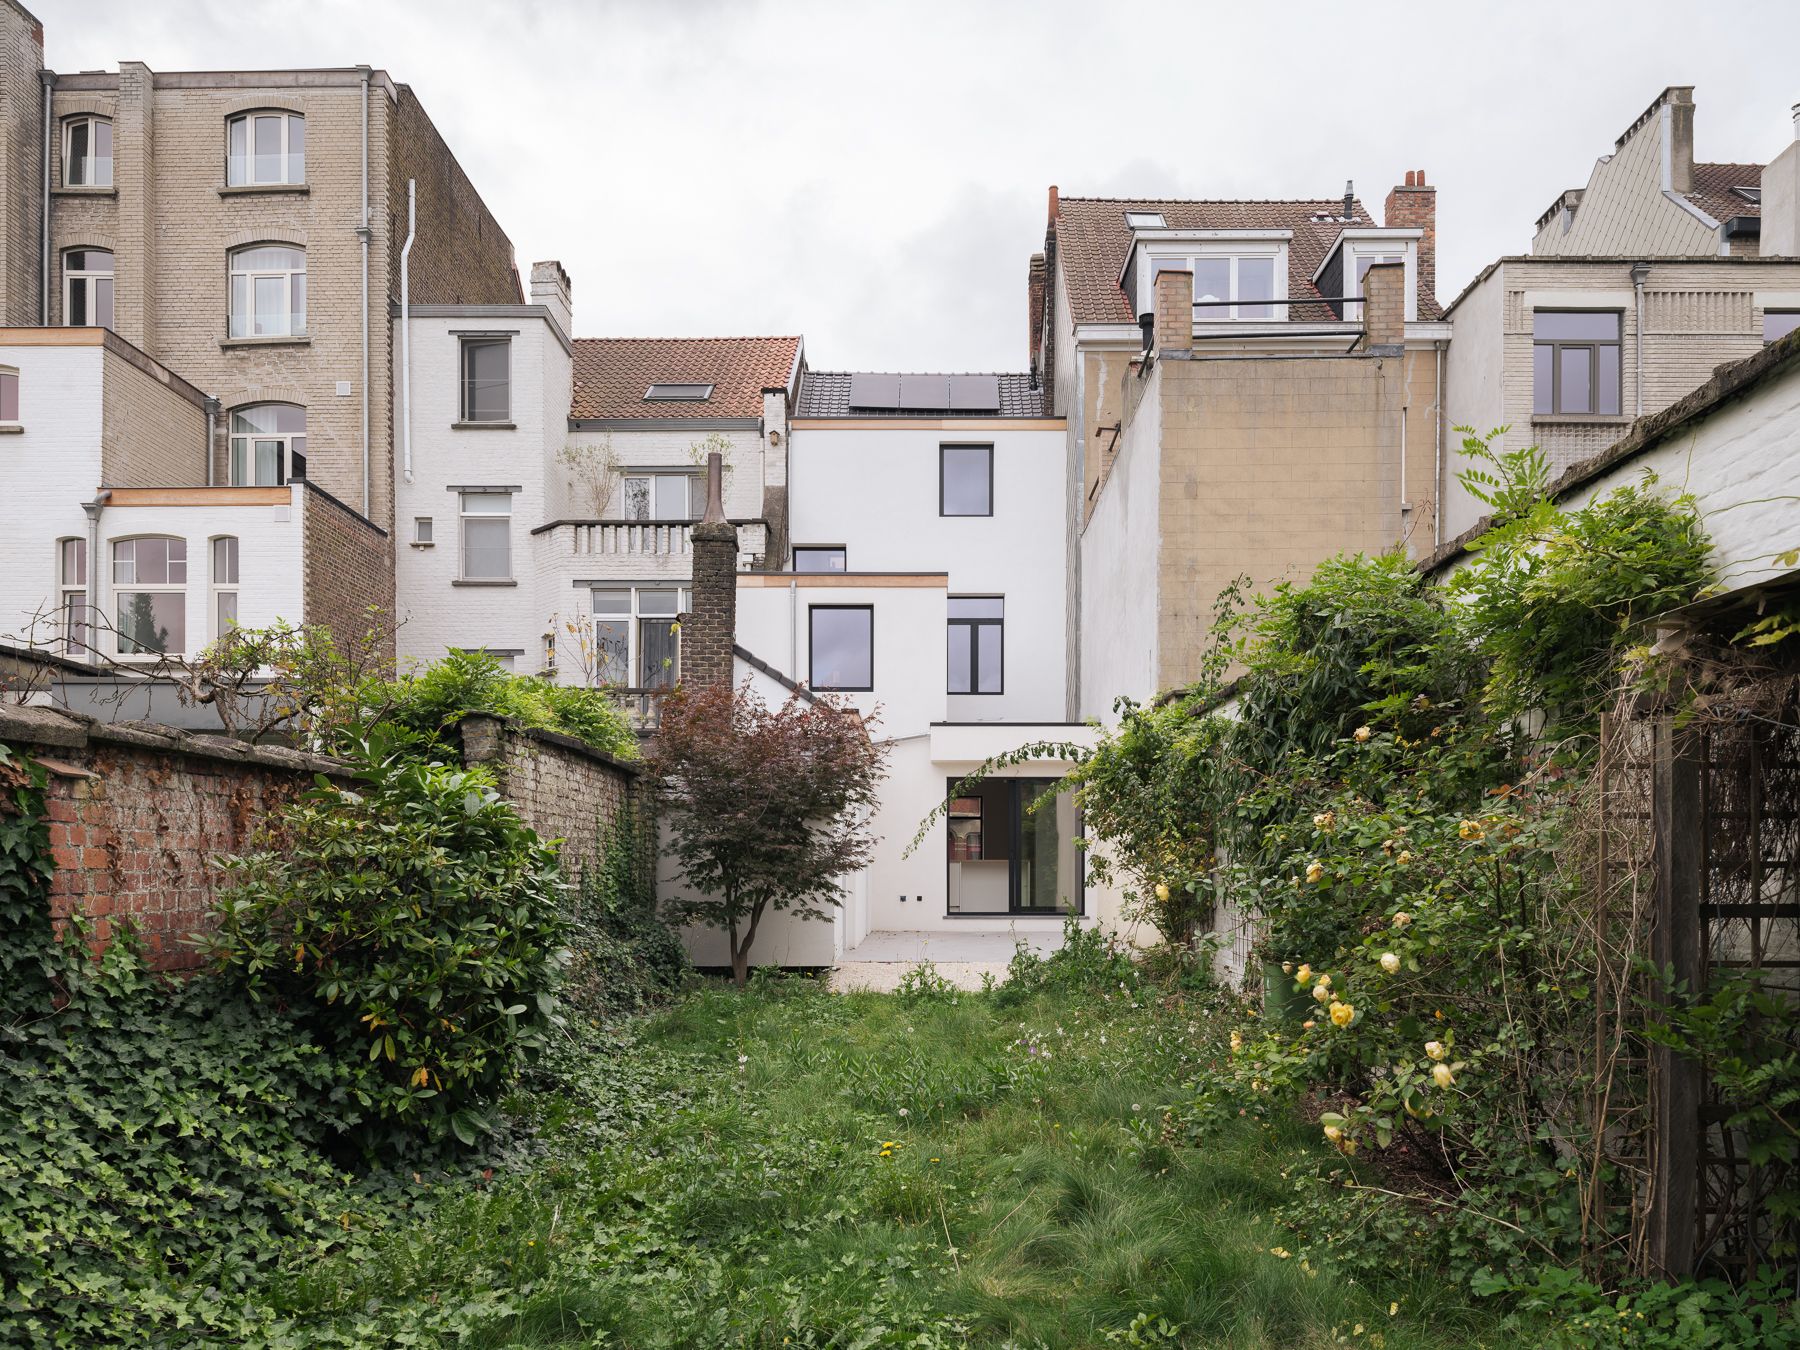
(789, 1167)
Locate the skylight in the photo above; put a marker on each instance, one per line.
(1145, 220)
(1749, 194)
(674, 393)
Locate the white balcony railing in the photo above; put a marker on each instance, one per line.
(648, 538)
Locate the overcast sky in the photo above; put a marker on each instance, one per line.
(874, 175)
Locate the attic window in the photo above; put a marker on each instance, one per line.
(1752, 195)
(1145, 220)
(678, 393)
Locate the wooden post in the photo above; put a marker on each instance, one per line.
(1680, 861)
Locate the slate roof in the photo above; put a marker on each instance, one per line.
(612, 375)
(1092, 241)
(1713, 184)
(826, 393)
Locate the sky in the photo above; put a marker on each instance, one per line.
(874, 175)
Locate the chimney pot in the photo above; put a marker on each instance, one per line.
(1053, 203)
(1349, 198)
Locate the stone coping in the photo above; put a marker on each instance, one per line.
(482, 747)
(54, 727)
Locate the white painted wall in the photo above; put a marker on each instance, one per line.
(1119, 573)
(1474, 388)
(874, 490)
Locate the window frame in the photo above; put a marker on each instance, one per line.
(1593, 346)
(943, 479)
(424, 538)
(220, 589)
(464, 384)
(10, 374)
(117, 590)
(463, 516)
(70, 592)
(248, 118)
(841, 550)
(812, 652)
(290, 446)
(633, 618)
(974, 625)
(695, 504)
(89, 120)
(1015, 805)
(1182, 256)
(1783, 313)
(251, 276)
(652, 396)
(90, 281)
(1376, 251)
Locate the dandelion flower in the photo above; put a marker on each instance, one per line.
(1362, 734)
(1436, 1049)
(1390, 963)
(1442, 1076)
(1315, 872)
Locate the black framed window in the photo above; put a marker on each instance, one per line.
(1778, 323)
(977, 644)
(1013, 847)
(819, 558)
(841, 651)
(1575, 361)
(965, 480)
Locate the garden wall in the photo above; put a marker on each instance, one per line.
(561, 787)
(138, 812)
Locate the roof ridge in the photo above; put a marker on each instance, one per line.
(1212, 201)
(728, 337)
(997, 374)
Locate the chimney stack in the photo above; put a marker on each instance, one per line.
(709, 629)
(1174, 329)
(1781, 200)
(1413, 206)
(1384, 306)
(1054, 204)
(1679, 99)
(550, 288)
(1349, 199)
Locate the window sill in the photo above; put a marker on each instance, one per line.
(460, 582)
(266, 190)
(1057, 915)
(484, 426)
(301, 340)
(84, 192)
(10, 429)
(423, 543)
(1581, 419)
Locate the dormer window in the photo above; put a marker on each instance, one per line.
(678, 393)
(1231, 281)
(1343, 274)
(1145, 220)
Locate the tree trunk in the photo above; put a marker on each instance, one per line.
(740, 964)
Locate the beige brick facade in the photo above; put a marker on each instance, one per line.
(152, 423)
(21, 163)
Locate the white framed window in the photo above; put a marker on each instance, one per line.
(72, 617)
(637, 636)
(268, 444)
(422, 527)
(88, 288)
(486, 380)
(1232, 281)
(149, 577)
(9, 396)
(1360, 257)
(486, 519)
(268, 291)
(265, 148)
(661, 496)
(224, 584)
(87, 150)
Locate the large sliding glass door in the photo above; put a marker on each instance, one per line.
(1013, 849)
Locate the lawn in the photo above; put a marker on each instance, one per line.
(790, 1167)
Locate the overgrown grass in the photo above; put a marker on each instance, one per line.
(789, 1167)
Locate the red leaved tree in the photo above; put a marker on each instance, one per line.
(766, 808)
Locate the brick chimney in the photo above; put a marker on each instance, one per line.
(1174, 311)
(1413, 206)
(709, 629)
(1384, 306)
(550, 287)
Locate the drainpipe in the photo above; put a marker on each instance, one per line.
(406, 336)
(1405, 505)
(363, 233)
(1640, 273)
(95, 570)
(48, 77)
(794, 629)
(212, 423)
(1437, 468)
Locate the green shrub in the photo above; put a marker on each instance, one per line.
(622, 956)
(413, 927)
(1088, 961)
(427, 705)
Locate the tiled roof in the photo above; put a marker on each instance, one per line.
(1092, 241)
(1712, 190)
(826, 393)
(612, 375)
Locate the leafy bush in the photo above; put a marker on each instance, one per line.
(428, 704)
(1088, 961)
(1565, 1312)
(622, 956)
(412, 926)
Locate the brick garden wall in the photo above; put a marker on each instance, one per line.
(561, 787)
(138, 813)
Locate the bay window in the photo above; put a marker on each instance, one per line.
(268, 291)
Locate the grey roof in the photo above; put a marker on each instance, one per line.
(826, 393)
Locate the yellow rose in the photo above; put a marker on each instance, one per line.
(1363, 734)
(1402, 919)
(1326, 979)
(1237, 1040)
(1404, 859)
(1304, 974)
(1326, 821)
(1322, 992)
(1390, 963)
(1315, 871)
(1470, 829)
(1441, 1075)
(1342, 1013)
(1162, 892)
(1334, 1133)
(1436, 1049)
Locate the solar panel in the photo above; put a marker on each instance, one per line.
(921, 392)
(874, 391)
(974, 393)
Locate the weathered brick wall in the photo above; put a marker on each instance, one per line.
(138, 814)
(461, 256)
(349, 569)
(561, 787)
(21, 162)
